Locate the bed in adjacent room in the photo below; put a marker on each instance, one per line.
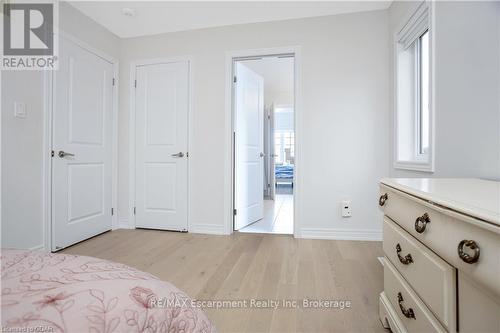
(68, 293)
(284, 174)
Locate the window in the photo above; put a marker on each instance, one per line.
(284, 143)
(424, 87)
(413, 104)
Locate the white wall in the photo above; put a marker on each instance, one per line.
(22, 160)
(22, 139)
(278, 97)
(344, 116)
(467, 88)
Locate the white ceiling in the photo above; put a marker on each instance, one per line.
(154, 17)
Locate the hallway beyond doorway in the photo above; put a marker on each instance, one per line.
(278, 217)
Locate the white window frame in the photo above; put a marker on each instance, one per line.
(413, 28)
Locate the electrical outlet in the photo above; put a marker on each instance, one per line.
(20, 110)
(346, 208)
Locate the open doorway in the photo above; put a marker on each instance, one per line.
(264, 144)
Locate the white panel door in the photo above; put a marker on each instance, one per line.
(249, 113)
(82, 131)
(162, 103)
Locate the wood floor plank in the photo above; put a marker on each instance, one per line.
(247, 266)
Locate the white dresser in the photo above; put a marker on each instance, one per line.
(442, 255)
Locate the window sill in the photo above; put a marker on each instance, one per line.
(414, 166)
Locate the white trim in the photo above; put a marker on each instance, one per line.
(38, 248)
(123, 223)
(415, 26)
(47, 161)
(228, 165)
(114, 148)
(342, 234)
(130, 220)
(416, 165)
(88, 47)
(48, 230)
(211, 229)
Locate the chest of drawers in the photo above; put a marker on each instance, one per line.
(442, 255)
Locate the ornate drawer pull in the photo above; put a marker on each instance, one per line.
(407, 259)
(421, 223)
(470, 259)
(383, 198)
(408, 313)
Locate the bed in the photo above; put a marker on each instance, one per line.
(284, 174)
(67, 293)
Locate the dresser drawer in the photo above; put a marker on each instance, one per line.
(414, 315)
(430, 277)
(443, 233)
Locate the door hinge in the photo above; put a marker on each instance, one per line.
(134, 210)
(135, 83)
(187, 154)
(52, 153)
(235, 79)
(113, 81)
(112, 211)
(234, 211)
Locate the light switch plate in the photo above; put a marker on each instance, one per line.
(20, 110)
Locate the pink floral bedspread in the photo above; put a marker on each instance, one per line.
(67, 293)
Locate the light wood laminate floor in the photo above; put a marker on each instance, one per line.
(277, 219)
(258, 266)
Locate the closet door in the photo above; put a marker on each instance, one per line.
(162, 104)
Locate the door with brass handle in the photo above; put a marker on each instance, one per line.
(383, 198)
(407, 259)
(421, 223)
(179, 154)
(466, 257)
(63, 154)
(408, 313)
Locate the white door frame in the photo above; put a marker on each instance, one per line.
(48, 111)
(131, 165)
(231, 57)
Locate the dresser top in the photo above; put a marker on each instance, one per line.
(474, 197)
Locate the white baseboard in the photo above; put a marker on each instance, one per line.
(211, 229)
(341, 234)
(37, 248)
(123, 223)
